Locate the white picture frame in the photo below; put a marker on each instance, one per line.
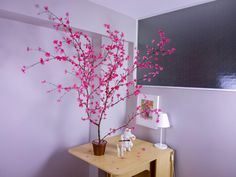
(148, 120)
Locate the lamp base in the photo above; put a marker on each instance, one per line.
(161, 146)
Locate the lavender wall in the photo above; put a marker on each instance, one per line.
(203, 128)
(83, 14)
(36, 131)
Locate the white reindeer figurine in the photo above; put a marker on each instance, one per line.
(126, 138)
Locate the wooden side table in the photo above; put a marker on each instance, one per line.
(144, 156)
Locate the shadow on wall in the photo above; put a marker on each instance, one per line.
(61, 163)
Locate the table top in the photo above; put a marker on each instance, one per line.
(143, 152)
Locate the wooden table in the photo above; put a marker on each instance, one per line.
(143, 156)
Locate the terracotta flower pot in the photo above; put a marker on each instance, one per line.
(99, 148)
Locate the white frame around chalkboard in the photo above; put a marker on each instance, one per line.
(176, 87)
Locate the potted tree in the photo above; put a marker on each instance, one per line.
(99, 76)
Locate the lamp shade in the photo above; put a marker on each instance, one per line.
(163, 120)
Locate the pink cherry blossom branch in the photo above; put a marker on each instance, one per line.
(130, 119)
(97, 74)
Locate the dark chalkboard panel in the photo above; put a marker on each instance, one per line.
(205, 39)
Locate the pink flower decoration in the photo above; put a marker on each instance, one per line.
(107, 26)
(23, 69)
(46, 8)
(136, 92)
(47, 54)
(99, 76)
(43, 81)
(41, 61)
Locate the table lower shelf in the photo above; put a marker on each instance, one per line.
(147, 170)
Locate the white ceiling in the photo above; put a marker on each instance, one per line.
(138, 9)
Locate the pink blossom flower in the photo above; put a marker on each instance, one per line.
(41, 61)
(23, 69)
(161, 33)
(136, 92)
(43, 81)
(46, 8)
(47, 54)
(107, 26)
